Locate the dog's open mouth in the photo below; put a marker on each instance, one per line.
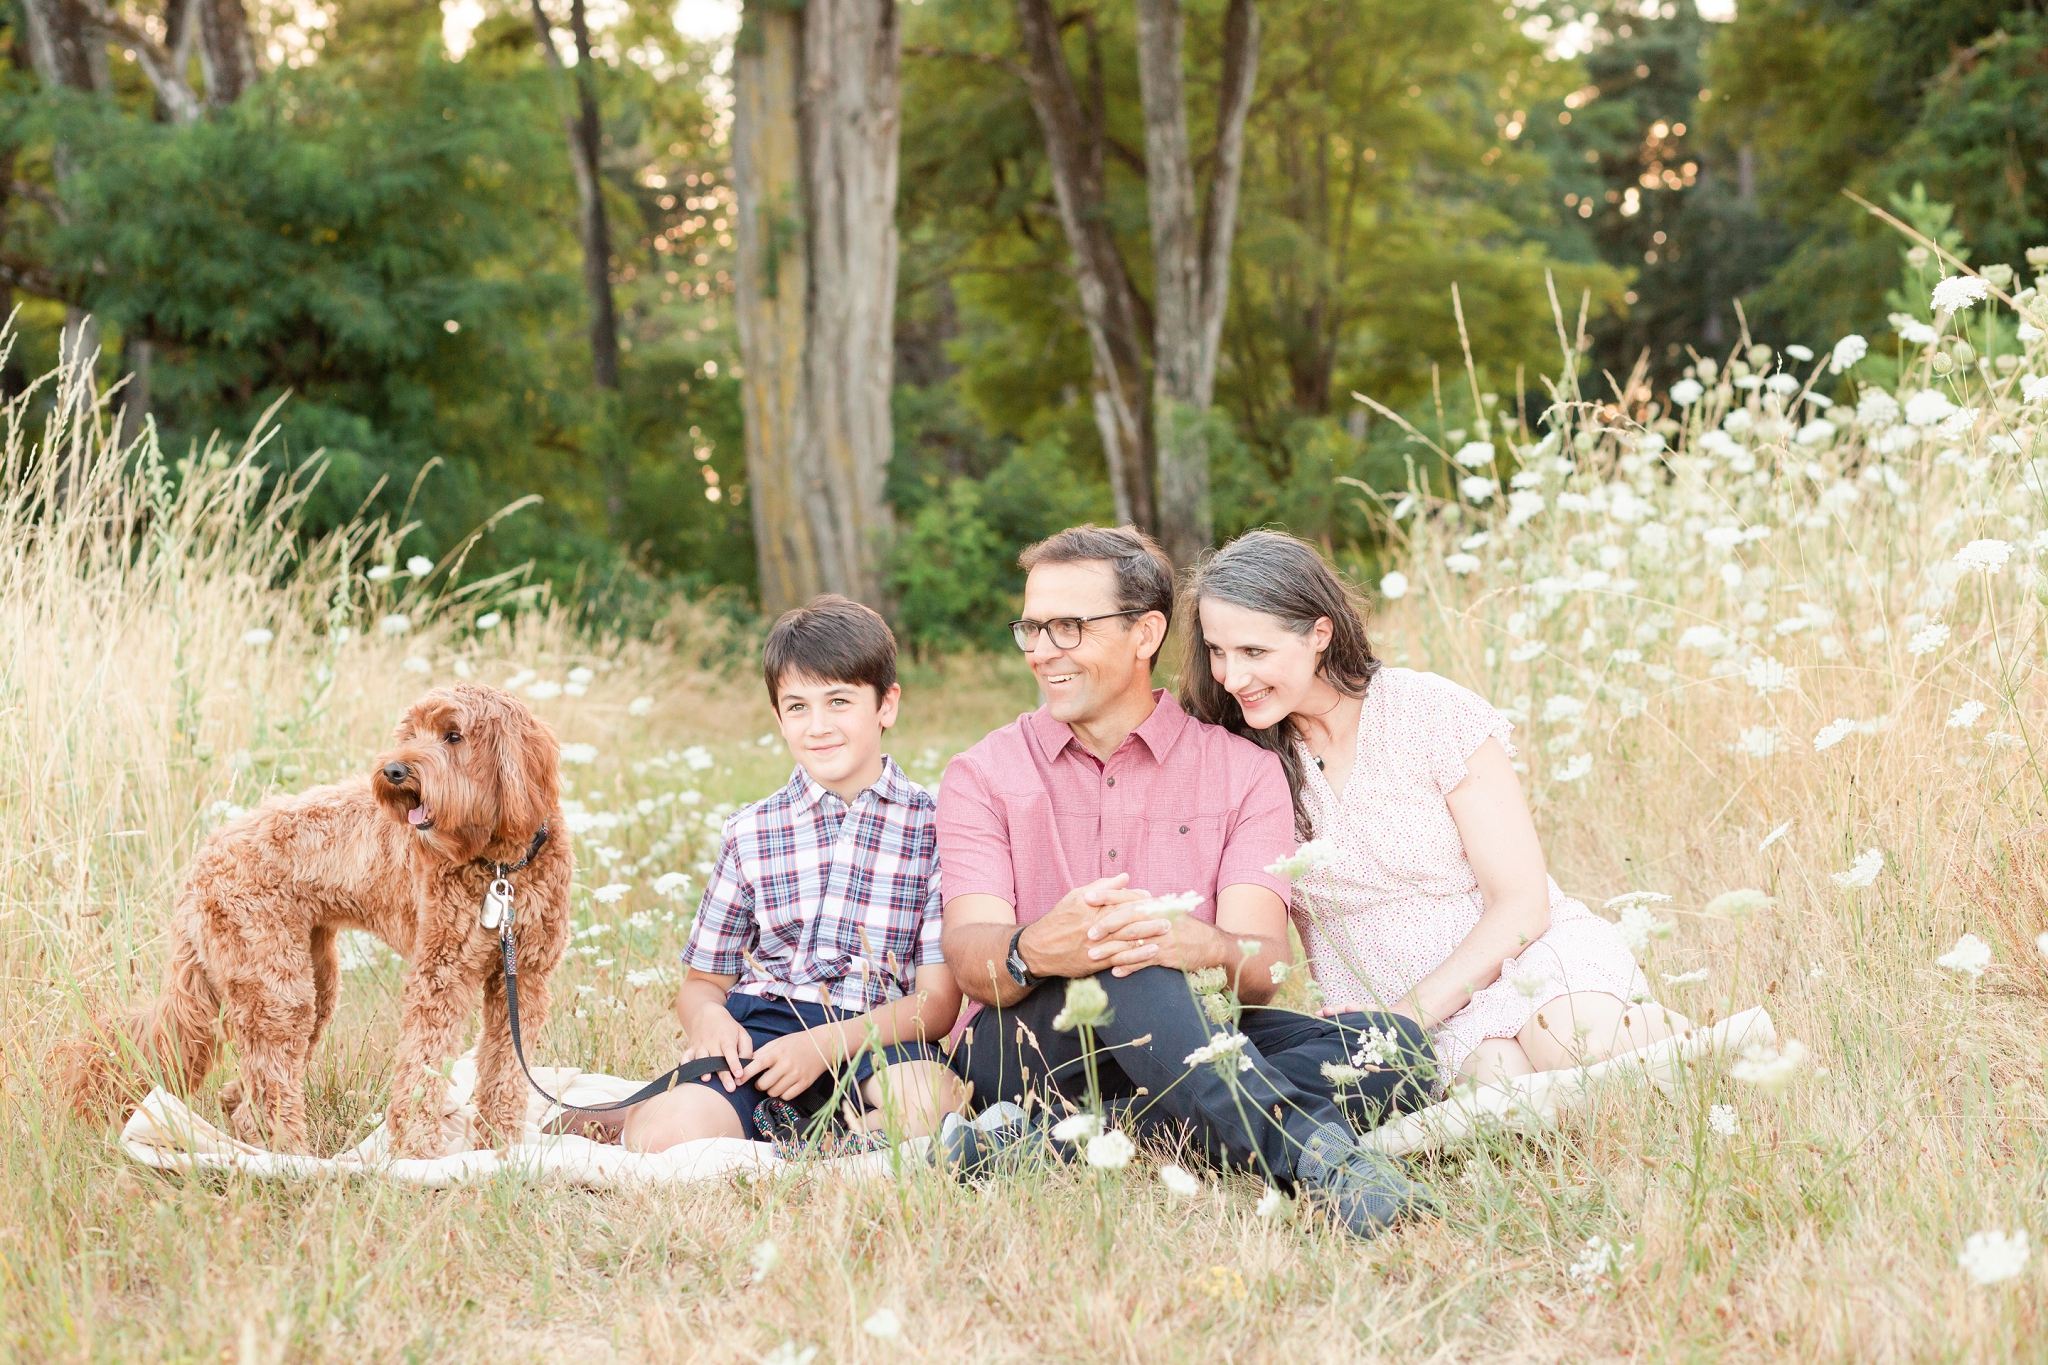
(419, 818)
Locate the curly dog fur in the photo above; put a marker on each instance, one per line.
(404, 853)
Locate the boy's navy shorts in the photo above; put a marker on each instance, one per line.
(766, 1018)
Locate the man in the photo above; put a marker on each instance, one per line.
(1054, 833)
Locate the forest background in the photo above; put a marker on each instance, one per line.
(378, 223)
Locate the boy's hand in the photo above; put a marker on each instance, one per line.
(715, 1033)
(787, 1066)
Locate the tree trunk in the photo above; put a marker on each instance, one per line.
(1109, 306)
(136, 355)
(815, 128)
(1191, 261)
(64, 45)
(584, 130)
(227, 55)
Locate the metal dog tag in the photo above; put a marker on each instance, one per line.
(497, 900)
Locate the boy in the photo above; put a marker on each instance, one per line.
(818, 937)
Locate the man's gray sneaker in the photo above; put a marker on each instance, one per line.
(1363, 1190)
(1001, 1137)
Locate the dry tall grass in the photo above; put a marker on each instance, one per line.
(134, 703)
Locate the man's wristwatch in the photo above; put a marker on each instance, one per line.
(1019, 973)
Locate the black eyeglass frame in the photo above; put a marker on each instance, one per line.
(1025, 631)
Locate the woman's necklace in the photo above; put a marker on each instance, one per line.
(1318, 716)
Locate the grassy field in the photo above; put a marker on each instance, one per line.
(1676, 692)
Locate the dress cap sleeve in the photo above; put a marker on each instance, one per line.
(1458, 721)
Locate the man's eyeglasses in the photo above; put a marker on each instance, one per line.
(1065, 630)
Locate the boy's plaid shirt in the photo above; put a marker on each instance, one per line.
(816, 900)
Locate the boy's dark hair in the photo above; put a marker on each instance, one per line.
(833, 639)
(1144, 575)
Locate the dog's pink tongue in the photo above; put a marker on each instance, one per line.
(416, 816)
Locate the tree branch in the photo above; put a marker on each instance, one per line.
(161, 68)
(44, 196)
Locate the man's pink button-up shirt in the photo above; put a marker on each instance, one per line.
(1028, 814)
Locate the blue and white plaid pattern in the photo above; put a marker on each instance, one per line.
(813, 899)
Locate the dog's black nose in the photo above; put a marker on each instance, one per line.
(396, 774)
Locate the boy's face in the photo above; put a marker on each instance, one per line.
(834, 729)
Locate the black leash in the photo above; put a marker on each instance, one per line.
(689, 1071)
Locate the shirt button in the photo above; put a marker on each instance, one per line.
(1112, 853)
(1112, 782)
(1183, 829)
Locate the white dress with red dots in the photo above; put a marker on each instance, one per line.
(1399, 893)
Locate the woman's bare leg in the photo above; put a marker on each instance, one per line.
(1495, 1061)
(1587, 1026)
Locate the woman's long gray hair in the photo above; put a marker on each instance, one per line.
(1280, 576)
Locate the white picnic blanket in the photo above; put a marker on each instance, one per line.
(166, 1134)
(1534, 1102)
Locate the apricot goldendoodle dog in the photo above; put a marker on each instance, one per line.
(406, 853)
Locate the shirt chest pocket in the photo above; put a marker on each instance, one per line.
(1178, 853)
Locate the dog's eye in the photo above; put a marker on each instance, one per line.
(453, 737)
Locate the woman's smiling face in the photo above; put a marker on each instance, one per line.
(1259, 660)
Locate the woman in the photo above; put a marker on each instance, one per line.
(1435, 902)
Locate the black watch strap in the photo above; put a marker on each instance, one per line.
(1019, 973)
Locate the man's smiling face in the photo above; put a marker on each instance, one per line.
(1114, 656)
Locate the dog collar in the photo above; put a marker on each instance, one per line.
(504, 870)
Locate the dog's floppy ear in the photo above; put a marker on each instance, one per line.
(529, 769)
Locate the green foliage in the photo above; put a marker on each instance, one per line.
(385, 239)
(1877, 98)
(1389, 156)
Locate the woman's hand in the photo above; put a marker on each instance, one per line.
(788, 1066)
(715, 1033)
(1406, 1008)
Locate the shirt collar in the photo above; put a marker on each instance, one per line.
(1158, 733)
(805, 792)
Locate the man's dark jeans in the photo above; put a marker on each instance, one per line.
(1259, 1117)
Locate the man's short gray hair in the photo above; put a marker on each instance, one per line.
(1144, 575)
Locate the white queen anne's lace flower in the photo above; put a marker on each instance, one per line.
(610, 893)
(1966, 715)
(1928, 639)
(1077, 1128)
(1767, 675)
(1988, 555)
(1178, 1181)
(579, 753)
(1686, 392)
(1847, 352)
(1576, 767)
(1310, 857)
(257, 638)
(1478, 488)
(1958, 292)
(640, 706)
(1863, 871)
(1770, 1068)
(1110, 1151)
(884, 1324)
(1994, 1257)
(1462, 564)
(1474, 454)
(419, 566)
(1394, 586)
(1969, 957)
(1722, 1121)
